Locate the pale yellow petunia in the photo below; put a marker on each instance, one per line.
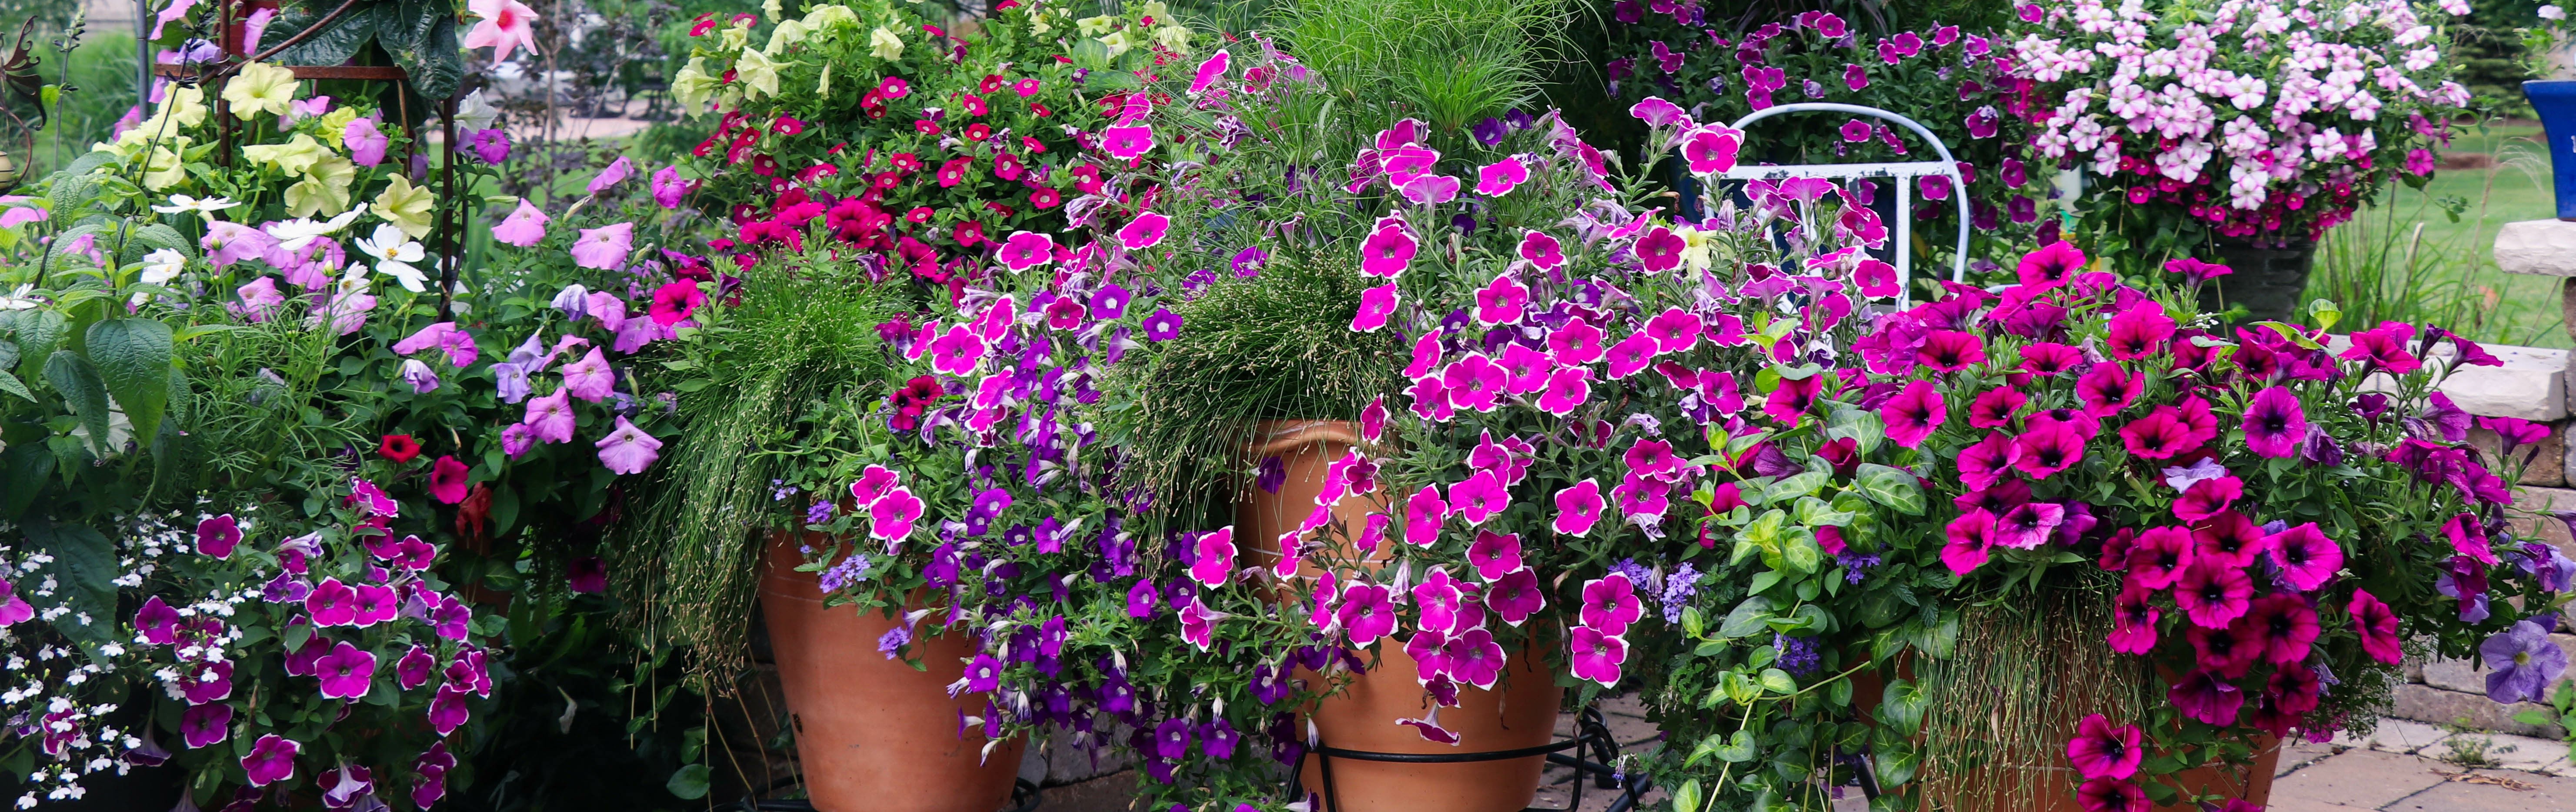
(1118, 43)
(260, 88)
(406, 206)
(325, 190)
(693, 86)
(883, 44)
(295, 157)
(757, 72)
(822, 17)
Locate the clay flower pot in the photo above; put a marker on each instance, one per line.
(872, 733)
(1519, 713)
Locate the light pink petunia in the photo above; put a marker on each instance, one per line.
(627, 450)
(604, 248)
(617, 172)
(1431, 190)
(523, 228)
(550, 417)
(504, 26)
(589, 378)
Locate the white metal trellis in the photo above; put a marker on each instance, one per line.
(1902, 173)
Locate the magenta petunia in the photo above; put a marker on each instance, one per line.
(1712, 149)
(2275, 424)
(1996, 407)
(1578, 507)
(2107, 389)
(2228, 538)
(2101, 750)
(1479, 497)
(2228, 651)
(2285, 627)
(2159, 435)
(2051, 265)
(1597, 656)
(2469, 538)
(1913, 413)
(1424, 513)
(1127, 142)
(1025, 250)
(890, 519)
(2133, 619)
(2140, 331)
(1984, 462)
(271, 759)
(206, 725)
(1525, 370)
(1630, 356)
(332, 603)
(1660, 250)
(1146, 231)
(2306, 557)
(2207, 498)
(1951, 350)
(1502, 300)
(675, 301)
(347, 672)
(1473, 382)
(1495, 555)
(1373, 420)
(1366, 613)
(1377, 305)
(1516, 596)
(218, 536)
(2048, 359)
(1674, 330)
(2160, 555)
(1501, 177)
(2212, 593)
(2377, 627)
(1387, 252)
(1971, 539)
(1215, 557)
(1567, 389)
(1210, 70)
(1542, 250)
(1610, 604)
(1790, 403)
(2047, 449)
(2204, 696)
(2099, 794)
(1576, 343)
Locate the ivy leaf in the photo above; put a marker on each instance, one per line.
(133, 360)
(1891, 487)
(1738, 749)
(690, 782)
(1778, 681)
(1901, 706)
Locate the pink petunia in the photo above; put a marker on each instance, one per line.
(1501, 177)
(1146, 231)
(524, 228)
(627, 449)
(1542, 250)
(1479, 497)
(890, 518)
(1377, 306)
(2306, 557)
(1387, 252)
(1913, 413)
(1025, 250)
(1597, 656)
(1971, 538)
(1127, 142)
(1495, 555)
(2208, 498)
(1424, 513)
(1215, 558)
(1567, 389)
(1210, 70)
(1501, 301)
(604, 248)
(2140, 331)
(1578, 508)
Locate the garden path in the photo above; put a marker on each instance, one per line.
(2404, 766)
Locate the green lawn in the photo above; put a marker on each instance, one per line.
(2427, 267)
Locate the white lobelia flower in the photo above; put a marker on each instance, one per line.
(395, 252)
(202, 206)
(294, 235)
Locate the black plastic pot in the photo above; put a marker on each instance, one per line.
(2270, 282)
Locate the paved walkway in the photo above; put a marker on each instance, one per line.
(2402, 767)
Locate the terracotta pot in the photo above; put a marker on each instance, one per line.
(872, 733)
(1520, 712)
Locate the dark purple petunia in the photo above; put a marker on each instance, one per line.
(2203, 696)
(2275, 425)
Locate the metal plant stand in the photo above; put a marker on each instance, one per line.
(1903, 173)
(1591, 738)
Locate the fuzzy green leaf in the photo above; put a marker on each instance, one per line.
(133, 360)
(81, 388)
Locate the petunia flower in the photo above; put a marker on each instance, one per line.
(2208, 498)
(525, 227)
(1951, 350)
(2159, 435)
(2107, 389)
(1712, 149)
(1479, 497)
(1525, 370)
(1145, 231)
(590, 378)
(2274, 423)
(550, 418)
(271, 759)
(2285, 625)
(2049, 359)
(2213, 593)
(504, 26)
(1495, 555)
(1790, 403)
(2133, 619)
(1377, 306)
(2160, 555)
(1597, 656)
(1366, 613)
(1387, 252)
(2469, 537)
(2524, 661)
(1578, 508)
(2306, 557)
(2099, 794)
(603, 248)
(1913, 413)
(1215, 557)
(1660, 250)
(1610, 604)
(1424, 513)
(1162, 325)
(616, 172)
(1501, 177)
(2050, 266)
(346, 672)
(447, 480)
(2047, 449)
(1567, 389)
(2139, 331)
(1996, 408)
(1984, 462)
(1971, 539)
(2100, 750)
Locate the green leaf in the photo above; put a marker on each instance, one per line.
(329, 46)
(1799, 485)
(9, 383)
(1800, 554)
(23, 470)
(133, 359)
(431, 61)
(1901, 706)
(1686, 798)
(2536, 717)
(87, 562)
(1814, 512)
(1891, 487)
(40, 333)
(1763, 581)
(1738, 749)
(159, 236)
(1863, 428)
(1778, 681)
(81, 388)
(690, 782)
(1747, 617)
(1692, 622)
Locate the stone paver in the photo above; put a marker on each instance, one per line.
(2295, 757)
(2361, 778)
(2508, 792)
(2505, 751)
(2396, 736)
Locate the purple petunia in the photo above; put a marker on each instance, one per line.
(2525, 663)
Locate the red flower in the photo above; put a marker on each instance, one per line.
(974, 104)
(968, 234)
(906, 161)
(926, 126)
(1045, 198)
(398, 447)
(787, 126)
(978, 131)
(992, 82)
(919, 214)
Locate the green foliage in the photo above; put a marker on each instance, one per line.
(766, 388)
(1451, 63)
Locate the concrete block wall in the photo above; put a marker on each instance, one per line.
(2533, 386)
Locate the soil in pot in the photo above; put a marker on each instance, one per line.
(1519, 712)
(872, 734)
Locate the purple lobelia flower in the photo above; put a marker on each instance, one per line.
(2525, 663)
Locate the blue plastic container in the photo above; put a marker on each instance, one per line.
(2555, 100)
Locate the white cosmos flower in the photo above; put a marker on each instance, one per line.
(294, 235)
(206, 206)
(20, 299)
(159, 268)
(395, 252)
